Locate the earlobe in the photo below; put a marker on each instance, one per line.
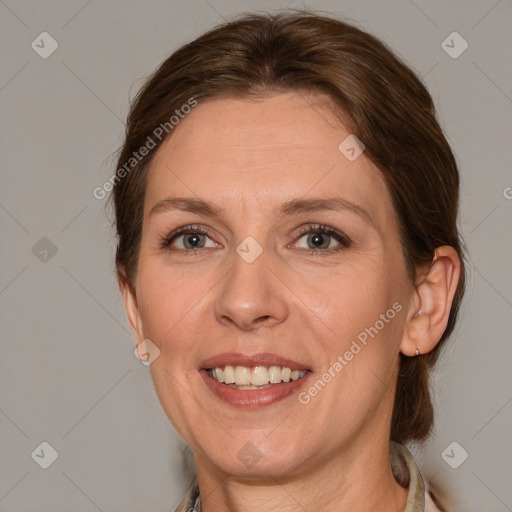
(131, 308)
(416, 339)
(430, 309)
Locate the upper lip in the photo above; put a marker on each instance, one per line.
(250, 360)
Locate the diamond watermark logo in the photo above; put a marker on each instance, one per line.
(44, 45)
(45, 455)
(351, 147)
(146, 352)
(249, 249)
(44, 250)
(249, 454)
(454, 45)
(454, 455)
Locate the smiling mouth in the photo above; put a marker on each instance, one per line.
(256, 377)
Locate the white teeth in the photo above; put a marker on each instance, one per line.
(219, 374)
(229, 375)
(274, 374)
(259, 377)
(242, 376)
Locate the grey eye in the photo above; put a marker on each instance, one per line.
(192, 240)
(318, 240)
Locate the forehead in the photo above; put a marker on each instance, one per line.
(263, 152)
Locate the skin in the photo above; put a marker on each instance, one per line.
(249, 157)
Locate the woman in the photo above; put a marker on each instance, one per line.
(289, 259)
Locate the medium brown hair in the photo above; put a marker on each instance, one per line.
(389, 110)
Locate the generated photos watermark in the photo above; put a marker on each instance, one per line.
(355, 348)
(158, 134)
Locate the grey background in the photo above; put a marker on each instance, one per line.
(67, 372)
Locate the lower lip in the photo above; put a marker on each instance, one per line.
(252, 398)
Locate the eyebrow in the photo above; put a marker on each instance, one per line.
(292, 207)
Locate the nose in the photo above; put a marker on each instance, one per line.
(251, 296)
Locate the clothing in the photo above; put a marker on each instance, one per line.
(404, 469)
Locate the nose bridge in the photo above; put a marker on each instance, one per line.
(250, 295)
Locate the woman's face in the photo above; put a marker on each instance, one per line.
(291, 258)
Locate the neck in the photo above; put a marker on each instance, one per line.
(356, 480)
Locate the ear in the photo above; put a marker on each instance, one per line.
(430, 306)
(131, 307)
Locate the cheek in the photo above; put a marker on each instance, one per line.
(362, 308)
(170, 306)
(170, 310)
(350, 298)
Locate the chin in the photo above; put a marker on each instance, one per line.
(255, 460)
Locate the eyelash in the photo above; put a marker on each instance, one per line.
(343, 239)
